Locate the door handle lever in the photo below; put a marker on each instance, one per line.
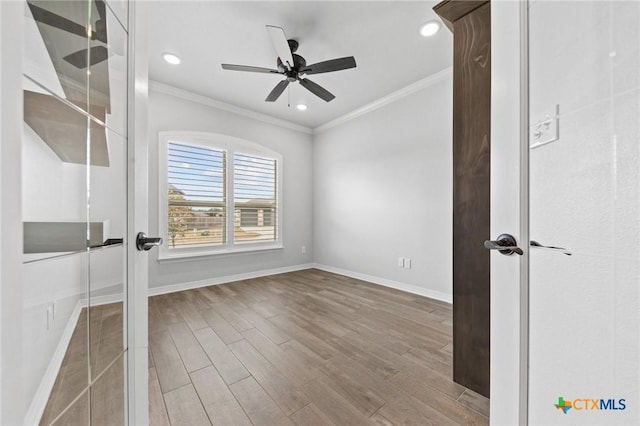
(560, 249)
(144, 243)
(505, 244)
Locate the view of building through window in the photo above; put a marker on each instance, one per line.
(254, 203)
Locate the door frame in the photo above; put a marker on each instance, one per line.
(12, 401)
(137, 293)
(510, 212)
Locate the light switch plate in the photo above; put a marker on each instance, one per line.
(545, 128)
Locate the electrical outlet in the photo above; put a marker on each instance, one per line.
(303, 249)
(401, 262)
(407, 263)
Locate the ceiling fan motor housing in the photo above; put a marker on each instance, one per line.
(298, 63)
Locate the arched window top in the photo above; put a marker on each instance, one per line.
(219, 141)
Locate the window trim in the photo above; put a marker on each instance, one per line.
(230, 145)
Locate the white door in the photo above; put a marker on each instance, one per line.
(584, 180)
(566, 175)
(84, 200)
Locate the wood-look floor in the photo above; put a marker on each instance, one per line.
(90, 383)
(305, 348)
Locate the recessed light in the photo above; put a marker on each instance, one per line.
(171, 58)
(429, 28)
(301, 107)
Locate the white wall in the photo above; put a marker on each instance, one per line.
(585, 196)
(383, 189)
(173, 113)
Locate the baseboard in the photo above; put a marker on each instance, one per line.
(103, 300)
(172, 288)
(431, 294)
(40, 399)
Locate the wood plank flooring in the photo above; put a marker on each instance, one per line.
(90, 383)
(304, 348)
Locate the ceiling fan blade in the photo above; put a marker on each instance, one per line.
(317, 90)
(281, 45)
(95, 55)
(249, 69)
(102, 9)
(101, 23)
(331, 65)
(277, 91)
(57, 21)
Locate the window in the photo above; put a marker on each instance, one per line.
(218, 194)
(254, 198)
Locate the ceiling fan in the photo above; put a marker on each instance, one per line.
(294, 67)
(84, 57)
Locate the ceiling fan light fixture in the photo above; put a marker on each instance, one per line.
(301, 107)
(171, 58)
(429, 28)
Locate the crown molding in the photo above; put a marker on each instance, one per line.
(166, 89)
(365, 109)
(386, 100)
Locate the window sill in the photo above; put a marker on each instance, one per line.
(180, 257)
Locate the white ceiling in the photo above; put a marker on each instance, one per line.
(381, 35)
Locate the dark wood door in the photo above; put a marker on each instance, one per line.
(470, 22)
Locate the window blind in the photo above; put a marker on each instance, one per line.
(254, 198)
(196, 195)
